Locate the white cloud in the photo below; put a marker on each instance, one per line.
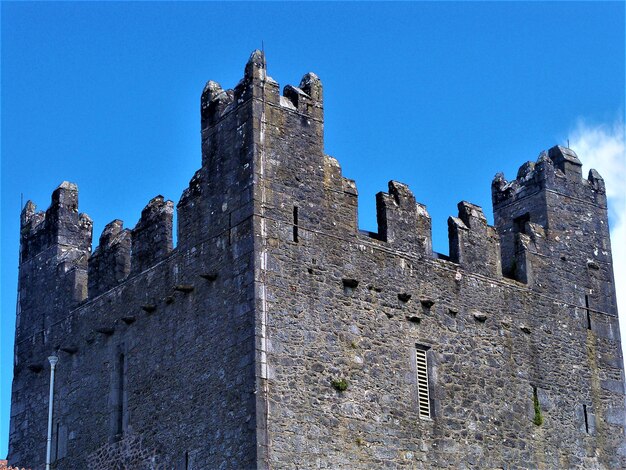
(602, 147)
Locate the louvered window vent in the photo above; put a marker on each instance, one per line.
(423, 395)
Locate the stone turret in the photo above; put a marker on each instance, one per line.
(54, 248)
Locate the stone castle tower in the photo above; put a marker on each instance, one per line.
(277, 335)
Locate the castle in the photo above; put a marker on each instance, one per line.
(276, 334)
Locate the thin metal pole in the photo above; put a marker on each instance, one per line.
(53, 362)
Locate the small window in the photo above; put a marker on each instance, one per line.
(117, 399)
(121, 371)
(587, 309)
(295, 224)
(519, 223)
(423, 394)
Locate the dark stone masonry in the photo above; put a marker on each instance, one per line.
(276, 334)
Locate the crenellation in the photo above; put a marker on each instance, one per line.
(557, 169)
(402, 221)
(596, 181)
(214, 102)
(255, 67)
(312, 86)
(110, 262)
(60, 224)
(307, 98)
(256, 84)
(68, 226)
(151, 239)
(474, 244)
(526, 171)
(32, 238)
(296, 96)
(224, 352)
(566, 161)
(28, 213)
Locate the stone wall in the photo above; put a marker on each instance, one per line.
(518, 378)
(278, 335)
(4, 466)
(128, 453)
(158, 341)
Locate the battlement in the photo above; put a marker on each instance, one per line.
(474, 244)
(306, 98)
(548, 209)
(557, 169)
(60, 225)
(402, 221)
(379, 351)
(152, 236)
(220, 193)
(109, 264)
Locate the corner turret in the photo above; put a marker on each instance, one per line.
(60, 225)
(54, 250)
(554, 229)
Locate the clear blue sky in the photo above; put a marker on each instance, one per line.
(438, 95)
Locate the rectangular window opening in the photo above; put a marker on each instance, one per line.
(230, 227)
(519, 223)
(295, 224)
(538, 418)
(423, 394)
(586, 419)
(117, 396)
(121, 369)
(56, 443)
(588, 312)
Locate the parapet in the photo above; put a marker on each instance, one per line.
(152, 236)
(402, 221)
(214, 102)
(60, 225)
(566, 160)
(110, 262)
(307, 98)
(559, 169)
(474, 244)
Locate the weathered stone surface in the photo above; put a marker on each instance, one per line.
(232, 349)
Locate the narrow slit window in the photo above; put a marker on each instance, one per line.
(586, 419)
(230, 228)
(538, 417)
(295, 224)
(120, 395)
(423, 394)
(56, 442)
(588, 312)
